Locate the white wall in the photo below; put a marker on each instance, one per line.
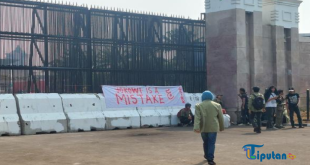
(221, 5)
(281, 13)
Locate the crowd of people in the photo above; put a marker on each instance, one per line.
(273, 106)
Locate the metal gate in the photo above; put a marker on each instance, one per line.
(69, 49)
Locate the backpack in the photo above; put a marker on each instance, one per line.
(258, 102)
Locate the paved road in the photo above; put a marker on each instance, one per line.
(157, 146)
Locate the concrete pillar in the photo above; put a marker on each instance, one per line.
(283, 18)
(231, 52)
(294, 74)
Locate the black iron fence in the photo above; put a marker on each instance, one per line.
(69, 49)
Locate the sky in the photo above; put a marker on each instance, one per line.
(186, 8)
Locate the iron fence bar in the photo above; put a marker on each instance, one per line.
(89, 54)
(45, 31)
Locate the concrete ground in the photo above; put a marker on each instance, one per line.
(156, 146)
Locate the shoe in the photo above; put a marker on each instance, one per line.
(302, 127)
(211, 163)
(273, 128)
(255, 129)
(259, 130)
(294, 127)
(240, 124)
(282, 127)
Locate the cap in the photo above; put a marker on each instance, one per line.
(291, 89)
(188, 105)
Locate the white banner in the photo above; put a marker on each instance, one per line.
(143, 96)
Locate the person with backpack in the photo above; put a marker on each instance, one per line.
(271, 106)
(292, 107)
(280, 109)
(245, 117)
(256, 108)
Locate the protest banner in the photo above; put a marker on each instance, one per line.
(143, 96)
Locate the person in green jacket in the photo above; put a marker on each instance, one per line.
(208, 121)
(256, 113)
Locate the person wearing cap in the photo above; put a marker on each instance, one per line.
(208, 122)
(256, 114)
(218, 99)
(185, 115)
(292, 107)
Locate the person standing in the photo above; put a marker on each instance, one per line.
(256, 108)
(208, 122)
(293, 101)
(271, 106)
(245, 117)
(280, 109)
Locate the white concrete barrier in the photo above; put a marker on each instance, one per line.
(9, 119)
(119, 118)
(41, 113)
(149, 116)
(165, 116)
(193, 99)
(84, 112)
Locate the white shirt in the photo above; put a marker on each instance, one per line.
(272, 103)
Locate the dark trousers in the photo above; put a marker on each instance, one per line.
(279, 117)
(297, 111)
(209, 140)
(185, 120)
(245, 116)
(256, 118)
(270, 116)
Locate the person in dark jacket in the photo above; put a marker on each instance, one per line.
(245, 116)
(186, 116)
